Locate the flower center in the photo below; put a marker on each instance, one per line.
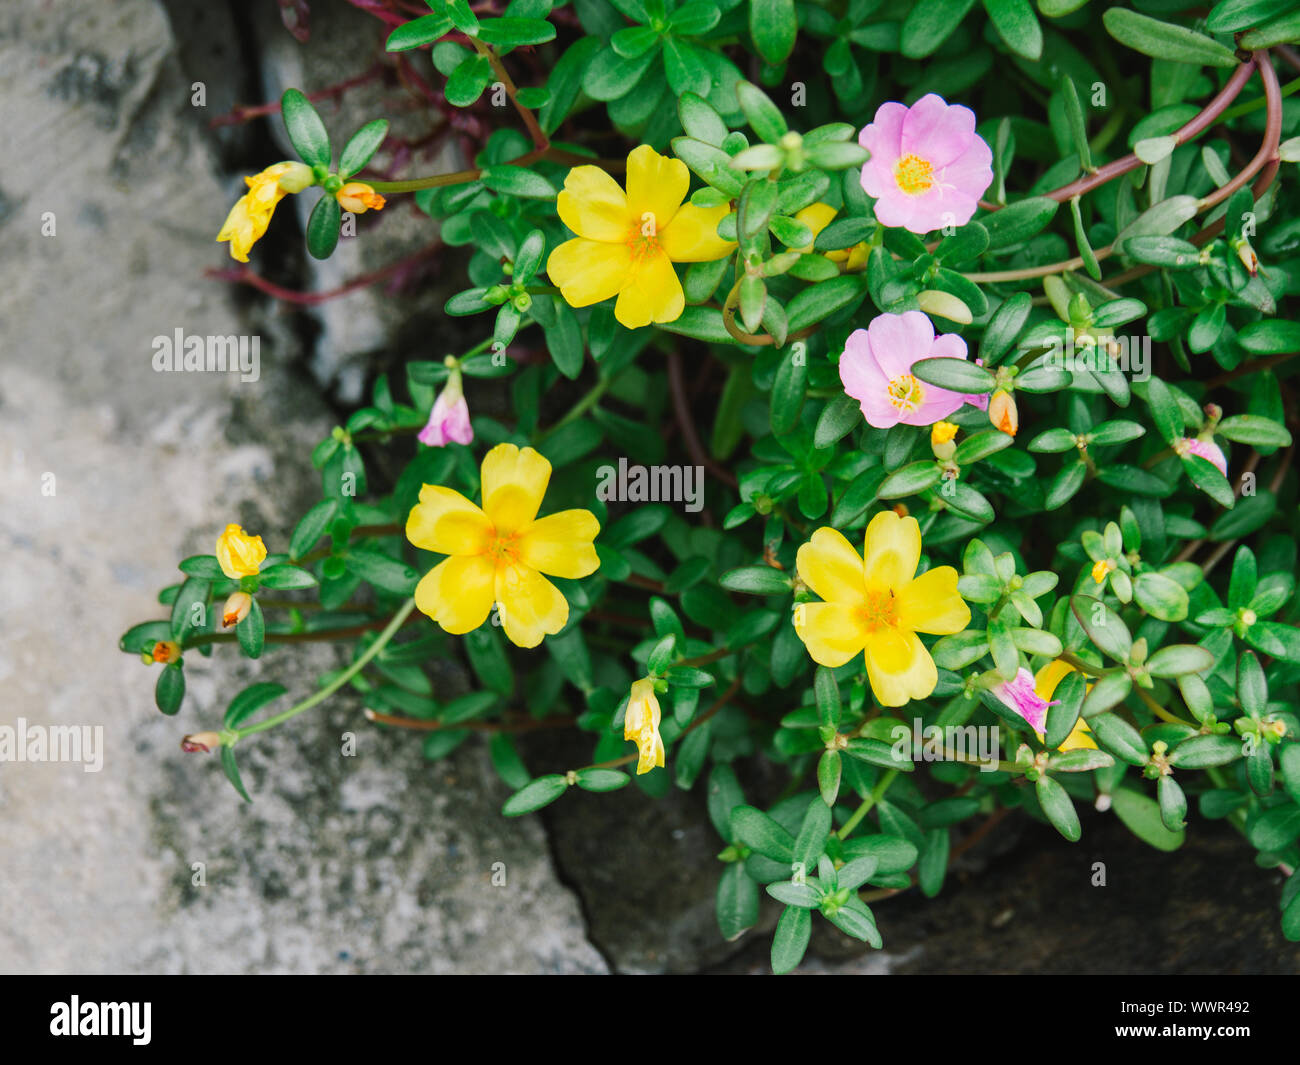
(503, 550)
(905, 393)
(914, 174)
(643, 238)
(879, 611)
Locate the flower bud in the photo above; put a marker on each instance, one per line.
(296, 176)
(1206, 449)
(200, 742)
(1003, 413)
(166, 651)
(239, 554)
(945, 305)
(1246, 255)
(236, 609)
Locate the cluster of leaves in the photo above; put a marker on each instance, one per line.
(1186, 674)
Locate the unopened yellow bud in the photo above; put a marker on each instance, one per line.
(357, 196)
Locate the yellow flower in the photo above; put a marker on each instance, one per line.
(239, 554)
(942, 432)
(357, 197)
(1045, 682)
(878, 605)
(1099, 570)
(498, 554)
(817, 216)
(251, 214)
(627, 242)
(641, 723)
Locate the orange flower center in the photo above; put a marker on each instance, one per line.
(914, 174)
(643, 238)
(503, 550)
(880, 610)
(905, 393)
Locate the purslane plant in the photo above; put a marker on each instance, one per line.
(1012, 373)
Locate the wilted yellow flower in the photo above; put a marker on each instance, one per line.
(236, 609)
(252, 212)
(357, 196)
(239, 554)
(627, 243)
(166, 651)
(876, 604)
(499, 553)
(942, 432)
(641, 723)
(1045, 684)
(817, 216)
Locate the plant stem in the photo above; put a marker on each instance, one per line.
(855, 819)
(380, 643)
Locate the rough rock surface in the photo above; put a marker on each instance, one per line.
(375, 862)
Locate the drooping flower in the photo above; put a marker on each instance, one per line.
(248, 219)
(641, 724)
(875, 603)
(239, 554)
(358, 197)
(817, 216)
(1206, 449)
(1045, 684)
(876, 369)
(498, 554)
(626, 243)
(928, 167)
(449, 418)
(1019, 694)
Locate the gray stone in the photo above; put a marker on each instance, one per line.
(378, 862)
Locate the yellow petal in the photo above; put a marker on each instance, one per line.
(1080, 737)
(650, 748)
(893, 549)
(816, 216)
(832, 632)
(931, 603)
(239, 554)
(656, 185)
(446, 522)
(899, 667)
(692, 236)
(642, 709)
(651, 293)
(531, 606)
(593, 206)
(831, 567)
(514, 482)
(1047, 678)
(560, 544)
(588, 271)
(457, 593)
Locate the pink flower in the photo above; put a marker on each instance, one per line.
(928, 168)
(1206, 449)
(449, 419)
(1020, 695)
(876, 369)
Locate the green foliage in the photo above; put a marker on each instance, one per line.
(1129, 349)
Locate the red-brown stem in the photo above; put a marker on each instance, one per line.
(243, 275)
